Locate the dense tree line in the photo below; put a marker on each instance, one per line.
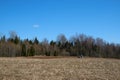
(77, 45)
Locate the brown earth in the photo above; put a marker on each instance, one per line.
(59, 68)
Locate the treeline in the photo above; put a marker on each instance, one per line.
(77, 45)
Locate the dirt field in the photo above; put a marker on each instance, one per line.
(59, 69)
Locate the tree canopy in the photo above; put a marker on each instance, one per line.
(75, 46)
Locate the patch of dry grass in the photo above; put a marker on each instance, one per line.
(59, 69)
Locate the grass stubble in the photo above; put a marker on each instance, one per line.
(59, 69)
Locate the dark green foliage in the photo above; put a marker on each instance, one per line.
(30, 42)
(55, 53)
(36, 41)
(16, 40)
(47, 53)
(52, 43)
(23, 53)
(78, 45)
(32, 51)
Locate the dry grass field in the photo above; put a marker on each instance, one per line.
(59, 69)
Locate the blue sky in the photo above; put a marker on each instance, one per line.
(48, 18)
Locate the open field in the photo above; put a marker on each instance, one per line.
(59, 69)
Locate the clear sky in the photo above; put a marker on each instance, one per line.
(48, 18)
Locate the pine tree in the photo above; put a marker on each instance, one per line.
(32, 51)
(23, 50)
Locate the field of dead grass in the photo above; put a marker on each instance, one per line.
(59, 69)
